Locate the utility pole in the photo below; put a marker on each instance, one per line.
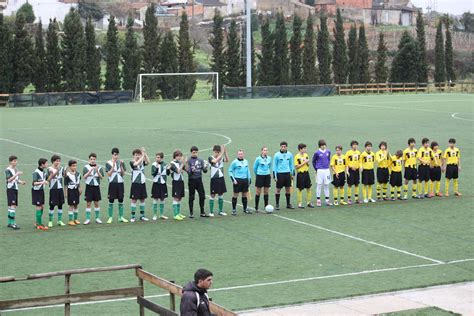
(249, 43)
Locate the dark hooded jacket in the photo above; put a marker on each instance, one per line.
(194, 301)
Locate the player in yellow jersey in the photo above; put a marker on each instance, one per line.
(367, 159)
(452, 166)
(435, 170)
(353, 172)
(424, 156)
(338, 167)
(383, 163)
(396, 174)
(303, 179)
(411, 174)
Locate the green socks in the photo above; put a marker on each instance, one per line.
(88, 213)
(70, 215)
(133, 208)
(51, 215)
(142, 209)
(162, 207)
(76, 214)
(175, 209)
(120, 209)
(39, 214)
(60, 215)
(97, 212)
(211, 205)
(155, 208)
(221, 204)
(111, 209)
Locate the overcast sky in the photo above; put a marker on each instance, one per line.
(449, 6)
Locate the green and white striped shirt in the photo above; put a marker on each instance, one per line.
(217, 169)
(72, 180)
(138, 174)
(116, 176)
(10, 172)
(56, 182)
(158, 171)
(39, 176)
(93, 179)
(175, 166)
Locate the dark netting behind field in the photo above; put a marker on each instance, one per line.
(69, 98)
(259, 92)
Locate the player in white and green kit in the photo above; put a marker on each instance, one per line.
(56, 193)
(37, 191)
(92, 174)
(115, 170)
(138, 189)
(159, 190)
(218, 187)
(13, 178)
(177, 185)
(72, 190)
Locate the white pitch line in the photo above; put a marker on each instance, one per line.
(395, 108)
(247, 286)
(454, 116)
(357, 238)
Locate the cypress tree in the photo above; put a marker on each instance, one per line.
(324, 56)
(73, 52)
(27, 10)
(353, 54)
(39, 78)
(5, 56)
(364, 76)
(131, 58)
(450, 75)
(421, 38)
(233, 76)
(265, 66)
(280, 57)
(381, 70)
(310, 72)
(93, 79)
(21, 56)
(296, 52)
(217, 43)
(169, 64)
(151, 47)
(440, 66)
(339, 61)
(406, 62)
(53, 58)
(112, 57)
(187, 84)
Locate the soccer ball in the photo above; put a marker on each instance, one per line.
(269, 209)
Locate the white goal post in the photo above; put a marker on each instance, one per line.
(169, 74)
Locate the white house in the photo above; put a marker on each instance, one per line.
(43, 9)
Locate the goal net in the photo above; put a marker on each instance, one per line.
(177, 86)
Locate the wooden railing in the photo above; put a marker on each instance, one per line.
(69, 298)
(461, 86)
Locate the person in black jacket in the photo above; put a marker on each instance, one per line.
(195, 301)
(195, 167)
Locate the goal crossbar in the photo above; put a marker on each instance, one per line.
(169, 74)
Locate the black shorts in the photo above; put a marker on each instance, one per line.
(452, 172)
(242, 186)
(37, 197)
(396, 179)
(159, 191)
(177, 189)
(73, 197)
(411, 174)
(116, 191)
(368, 177)
(138, 191)
(92, 193)
(435, 174)
(56, 197)
(339, 181)
(263, 181)
(424, 172)
(218, 186)
(303, 180)
(382, 175)
(283, 180)
(353, 178)
(12, 197)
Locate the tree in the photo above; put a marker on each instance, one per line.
(339, 61)
(440, 65)
(324, 56)
(310, 71)
(217, 43)
(21, 56)
(169, 64)
(90, 10)
(381, 70)
(353, 54)
(265, 66)
(93, 57)
(280, 56)
(406, 61)
(27, 11)
(151, 52)
(5, 56)
(450, 75)
(131, 58)
(186, 63)
(364, 76)
(73, 52)
(296, 52)
(112, 57)
(467, 20)
(233, 76)
(53, 58)
(421, 38)
(39, 78)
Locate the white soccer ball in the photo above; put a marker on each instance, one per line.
(269, 208)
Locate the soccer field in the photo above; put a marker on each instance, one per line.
(258, 260)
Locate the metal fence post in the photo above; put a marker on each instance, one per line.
(67, 290)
